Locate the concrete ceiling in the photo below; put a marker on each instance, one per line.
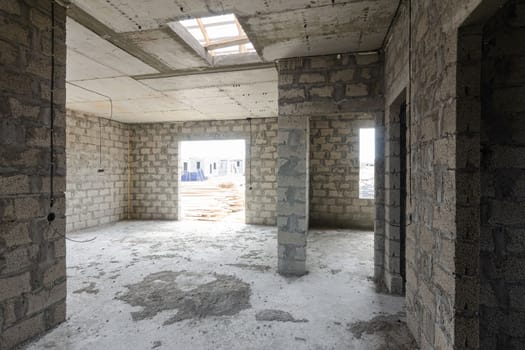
(125, 50)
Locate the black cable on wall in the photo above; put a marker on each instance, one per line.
(51, 216)
(52, 111)
(250, 156)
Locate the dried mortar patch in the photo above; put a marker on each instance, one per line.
(193, 295)
(89, 289)
(276, 315)
(253, 267)
(391, 328)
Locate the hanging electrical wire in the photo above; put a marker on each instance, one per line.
(409, 111)
(51, 215)
(53, 228)
(100, 169)
(250, 156)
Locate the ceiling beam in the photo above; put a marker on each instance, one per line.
(206, 70)
(114, 38)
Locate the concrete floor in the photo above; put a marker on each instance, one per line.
(219, 290)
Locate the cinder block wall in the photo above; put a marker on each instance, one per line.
(315, 87)
(339, 94)
(155, 165)
(334, 172)
(154, 168)
(331, 85)
(388, 254)
(441, 249)
(502, 245)
(92, 197)
(32, 256)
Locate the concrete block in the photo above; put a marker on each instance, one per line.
(356, 90)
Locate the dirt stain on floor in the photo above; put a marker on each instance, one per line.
(193, 295)
(89, 289)
(253, 267)
(391, 328)
(277, 315)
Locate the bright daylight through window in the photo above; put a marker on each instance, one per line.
(211, 185)
(220, 35)
(366, 163)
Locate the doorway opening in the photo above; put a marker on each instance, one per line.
(403, 149)
(397, 183)
(212, 180)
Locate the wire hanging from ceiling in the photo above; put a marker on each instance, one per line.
(51, 216)
(100, 169)
(250, 156)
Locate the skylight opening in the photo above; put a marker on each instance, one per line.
(219, 35)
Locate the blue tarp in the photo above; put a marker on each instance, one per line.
(193, 176)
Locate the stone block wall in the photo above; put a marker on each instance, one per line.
(310, 88)
(331, 85)
(92, 197)
(156, 168)
(32, 255)
(388, 230)
(502, 137)
(334, 172)
(441, 255)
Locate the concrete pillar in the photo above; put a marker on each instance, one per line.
(292, 193)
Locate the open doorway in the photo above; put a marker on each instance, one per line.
(397, 170)
(212, 180)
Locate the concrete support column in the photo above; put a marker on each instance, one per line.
(292, 193)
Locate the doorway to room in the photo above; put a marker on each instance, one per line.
(212, 180)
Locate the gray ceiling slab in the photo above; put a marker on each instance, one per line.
(212, 79)
(121, 88)
(80, 67)
(89, 44)
(126, 50)
(348, 27)
(168, 48)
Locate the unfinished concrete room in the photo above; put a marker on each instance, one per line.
(272, 174)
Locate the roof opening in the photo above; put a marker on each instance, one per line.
(220, 35)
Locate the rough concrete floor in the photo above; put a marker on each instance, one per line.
(201, 285)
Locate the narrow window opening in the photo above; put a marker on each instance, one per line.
(366, 162)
